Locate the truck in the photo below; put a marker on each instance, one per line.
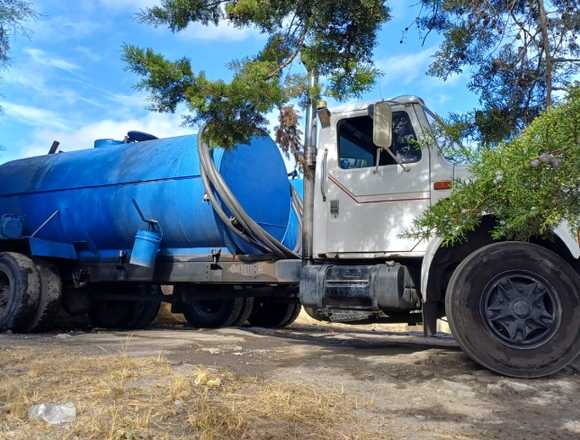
(99, 231)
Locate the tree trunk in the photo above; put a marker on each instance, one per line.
(543, 23)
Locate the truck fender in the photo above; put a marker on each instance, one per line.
(562, 232)
(432, 248)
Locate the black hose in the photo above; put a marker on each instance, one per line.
(242, 225)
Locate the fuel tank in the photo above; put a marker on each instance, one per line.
(91, 199)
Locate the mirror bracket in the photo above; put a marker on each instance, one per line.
(396, 159)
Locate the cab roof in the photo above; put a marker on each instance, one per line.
(400, 100)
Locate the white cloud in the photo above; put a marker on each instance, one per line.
(39, 56)
(412, 68)
(132, 101)
(61, 28)
(33, 116)
(224, 31)
(406, 68)
(34, 81)
(79, 138)
(25, 77)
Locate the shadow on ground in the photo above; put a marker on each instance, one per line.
(405, 386)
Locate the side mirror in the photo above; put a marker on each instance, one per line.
(383, 125)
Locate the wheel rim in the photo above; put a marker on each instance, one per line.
(5, 292)
(521, 309)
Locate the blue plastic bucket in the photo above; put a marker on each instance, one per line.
(145, 248)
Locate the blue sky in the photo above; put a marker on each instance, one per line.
(66, 80)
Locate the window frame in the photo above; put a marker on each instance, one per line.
(373, 164)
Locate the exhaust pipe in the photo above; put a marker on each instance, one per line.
(310, 137)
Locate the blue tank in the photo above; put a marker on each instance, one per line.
(85, 204)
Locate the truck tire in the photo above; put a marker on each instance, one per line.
(145, 314)
(271, 313)
(213, 313)
(127, 315)
(19, 291)
(50, 304)
(515, 308)
(247, 310)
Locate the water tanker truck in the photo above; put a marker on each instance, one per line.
(98, 231)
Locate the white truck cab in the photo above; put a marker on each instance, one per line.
(514, 307)
(362, 210)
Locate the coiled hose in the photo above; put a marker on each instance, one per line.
(240, 223)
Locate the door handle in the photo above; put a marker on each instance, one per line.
(324, 175)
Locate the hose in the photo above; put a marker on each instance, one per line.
(240, 223)
(298, 210)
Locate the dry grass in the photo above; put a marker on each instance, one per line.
(127, 398)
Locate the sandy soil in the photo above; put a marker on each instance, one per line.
(391, 385)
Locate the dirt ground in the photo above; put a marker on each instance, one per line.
(307, 381)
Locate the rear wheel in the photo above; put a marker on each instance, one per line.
(274, 313)
(214, 313)
(19, 291)
(127, 315)
(147, 311)
(246, 312)
(515, 308)
(210, 306)
(50, 303)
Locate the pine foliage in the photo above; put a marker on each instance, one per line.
(528, 186)
(518, 54)
(333, 38)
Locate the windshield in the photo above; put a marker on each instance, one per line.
(449, 148)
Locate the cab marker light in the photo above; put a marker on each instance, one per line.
(442, 185)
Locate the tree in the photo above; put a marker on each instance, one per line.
(335, 39)
(12, 14)
(528, 186)
(518, 52)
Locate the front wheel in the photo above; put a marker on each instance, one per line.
(515, 308)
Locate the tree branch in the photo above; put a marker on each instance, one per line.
(566, 60)
(543, 23)
(291, 58)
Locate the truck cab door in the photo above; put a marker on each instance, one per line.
(361, 210)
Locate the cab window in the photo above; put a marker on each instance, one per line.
(357, 150)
